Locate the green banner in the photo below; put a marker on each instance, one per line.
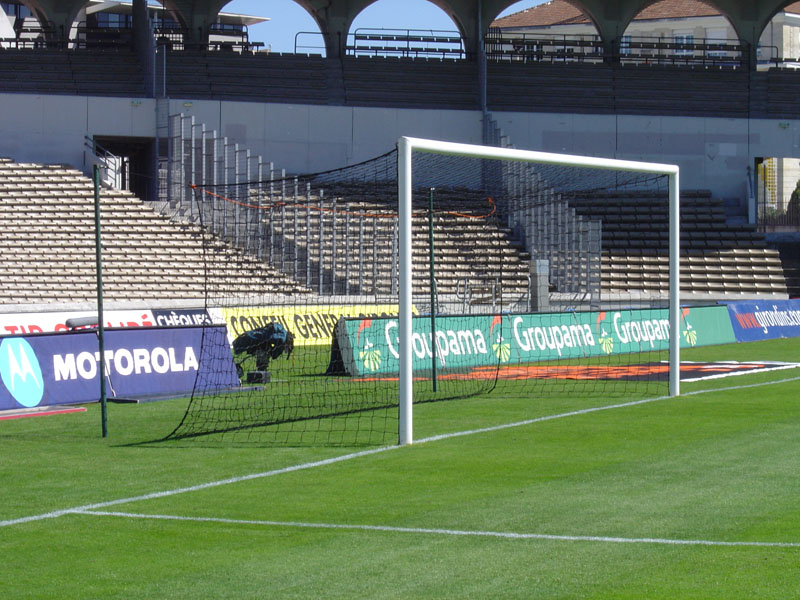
(369, 347)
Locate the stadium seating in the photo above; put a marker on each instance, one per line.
(47, 253)
(363, 261)
(550, 87)
(410, 83)
(600, 88)
(72, 72)
(789, 253)
(258, 77)
(405, 82)
(717, 258)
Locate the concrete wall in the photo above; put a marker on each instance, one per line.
(306, 138)
(713, 153)
(51, 129)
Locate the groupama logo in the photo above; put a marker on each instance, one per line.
(20, 372)
(501, 348)
(369, 355)
(605, 339)
(689, 332)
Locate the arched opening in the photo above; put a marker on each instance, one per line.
(22, 26)
(779, 44)
(555, 31)
(405, 28)
(287, 27)
(777, 178)
(690, 32)
(521, 6)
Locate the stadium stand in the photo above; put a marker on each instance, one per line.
(71, 72)
(410, 83)
(465, 246)
(256, 77)
(599, 88)
(47, 252)
(548, 87)
(717, 259)
(789, 253)
(47, 247)
(714, 92)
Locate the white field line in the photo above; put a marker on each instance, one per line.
(447, 532)
(195, 488)
(354, 455)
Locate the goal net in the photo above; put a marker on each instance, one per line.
(435, 272)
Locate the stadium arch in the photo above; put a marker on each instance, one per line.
(408, 38)
(473, 18)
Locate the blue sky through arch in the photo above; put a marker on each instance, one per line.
(287, 18)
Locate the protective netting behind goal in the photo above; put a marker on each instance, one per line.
(508, 272)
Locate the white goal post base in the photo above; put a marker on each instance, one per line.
(407, 146)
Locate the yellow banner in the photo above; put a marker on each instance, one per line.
(310, 325)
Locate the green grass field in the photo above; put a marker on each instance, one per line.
(559, 497)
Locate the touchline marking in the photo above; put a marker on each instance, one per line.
(321, 463)
(451, 532)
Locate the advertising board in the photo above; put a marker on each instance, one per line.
(370, 346)
(52, 369)
(44, 322)
(56, 321)
(772, 319)
(311, 325)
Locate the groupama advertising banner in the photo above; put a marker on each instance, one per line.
(370, 346)
(63, 368)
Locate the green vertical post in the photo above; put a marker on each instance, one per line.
(433, 291)
(100, 320)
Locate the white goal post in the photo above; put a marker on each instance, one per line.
(408, 145)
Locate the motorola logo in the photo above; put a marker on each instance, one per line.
(20, 372)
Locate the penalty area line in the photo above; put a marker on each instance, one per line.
(445, 532)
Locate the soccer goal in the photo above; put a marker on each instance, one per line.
(436, 272)
(505, 157)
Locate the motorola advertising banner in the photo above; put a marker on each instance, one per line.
(63, 368)
(767, 320)
(370, 346)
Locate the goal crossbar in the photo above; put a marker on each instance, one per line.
(408, 145)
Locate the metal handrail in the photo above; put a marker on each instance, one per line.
(406, 43)
(111, 165)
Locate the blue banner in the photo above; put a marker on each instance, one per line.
(63, 368)
(767, 320)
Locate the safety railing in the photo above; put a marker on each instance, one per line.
(521, 47)
(406, 43)
(705, 52)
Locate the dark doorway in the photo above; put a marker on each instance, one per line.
(136, 161)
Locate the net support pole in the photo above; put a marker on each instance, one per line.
(433, 290)
(405, 428)
(674, 285)
(100, 321)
